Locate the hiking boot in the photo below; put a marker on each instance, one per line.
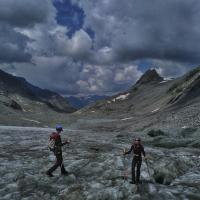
(132, 182)
(65, 173)
(49, 174)
(139, 182)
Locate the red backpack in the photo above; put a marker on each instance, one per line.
(53, 137)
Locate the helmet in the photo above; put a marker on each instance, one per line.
(59, 127)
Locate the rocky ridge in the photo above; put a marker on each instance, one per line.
(22, 103)
(153, 103)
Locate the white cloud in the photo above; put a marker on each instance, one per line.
(169, 69)
(80, 44)
(127, 74)
(107, 78)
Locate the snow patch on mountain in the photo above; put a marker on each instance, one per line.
(121, 97)
(31, 120)
(157, 109)
(124, 119)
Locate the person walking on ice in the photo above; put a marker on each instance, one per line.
(55, 145)
(137, 149)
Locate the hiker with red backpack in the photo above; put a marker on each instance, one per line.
(55, 145)
(137, 149)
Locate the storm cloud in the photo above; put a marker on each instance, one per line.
(16, 16)
(13, 46)
(105, 52)
(22, 13)
(140, 29)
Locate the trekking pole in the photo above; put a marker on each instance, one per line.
(125, 175)
(148, 170)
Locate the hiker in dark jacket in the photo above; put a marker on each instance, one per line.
(138, 150)
(57, 149)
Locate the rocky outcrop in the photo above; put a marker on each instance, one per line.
(186, 89)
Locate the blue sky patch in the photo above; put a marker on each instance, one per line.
(144, 65)
(69, 15)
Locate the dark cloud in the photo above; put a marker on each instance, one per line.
(23, 13)
(15, 16)
(13, 46)
(140, 29)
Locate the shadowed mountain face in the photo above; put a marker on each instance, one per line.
(20, 98)
(187, 88)
(153, 101)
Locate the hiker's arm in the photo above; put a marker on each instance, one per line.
(66, 142)
(128, 152)
(143, 152)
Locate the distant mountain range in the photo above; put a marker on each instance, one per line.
(23, 103)
(154, 101)
(82, 101)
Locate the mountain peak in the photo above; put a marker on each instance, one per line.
(150, 75)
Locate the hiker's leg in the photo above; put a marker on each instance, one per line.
(133, 170)
(62, 167)
(63, 170)
(139, 163)
(54, 167)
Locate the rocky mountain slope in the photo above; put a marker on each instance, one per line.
(22, 103)
(153, 101)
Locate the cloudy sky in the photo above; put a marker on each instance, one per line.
(81, 47)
